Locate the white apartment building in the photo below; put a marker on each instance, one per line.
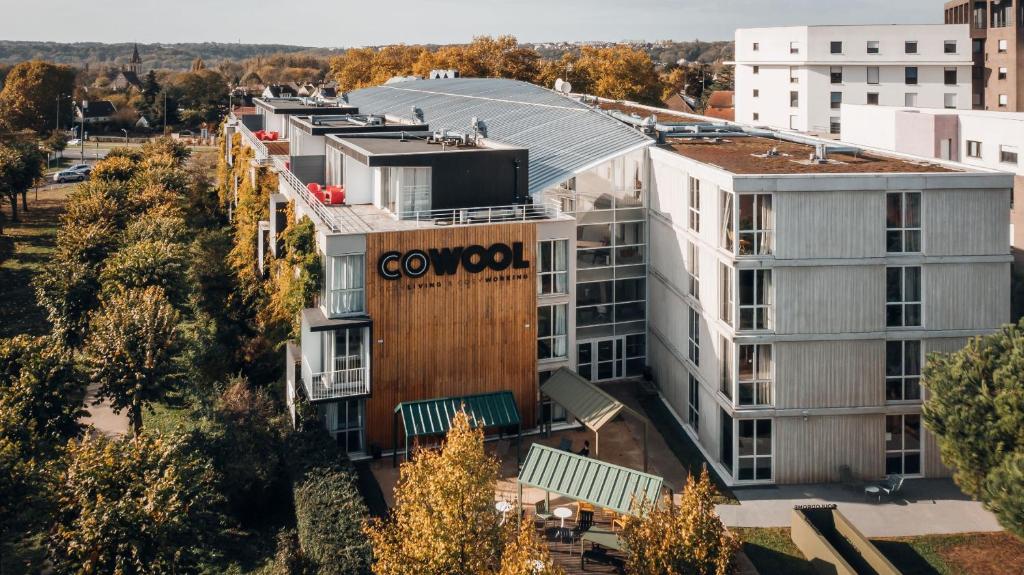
(797, 78)
(992, 140)
(792, 302)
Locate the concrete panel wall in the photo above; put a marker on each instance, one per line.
(829, 374)
(821, 300)
(966, 296)
(829, 224)
(811, 450)
(965, 222)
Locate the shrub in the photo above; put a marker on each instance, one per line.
(329, 515)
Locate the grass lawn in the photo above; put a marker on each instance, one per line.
(24, 247)
(967, 554)
(772, 551)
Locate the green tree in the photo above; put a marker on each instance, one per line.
(329, 515)
(975, 408)
(668, 540)
(32, 94)
(21, 164)
(132, 350)
(139, 505)
(147, 263)
(40, 388)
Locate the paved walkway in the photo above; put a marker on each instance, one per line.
(925, 506)
(101, 418)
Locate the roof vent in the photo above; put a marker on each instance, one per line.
(417, 114)
(772, 153)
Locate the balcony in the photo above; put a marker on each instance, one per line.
(258, 147)
(335, 384)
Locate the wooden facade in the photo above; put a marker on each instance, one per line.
(442, 336)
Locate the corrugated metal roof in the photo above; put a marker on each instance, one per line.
(588, 403)
(434, 416)
(563, 135)
(585, 479)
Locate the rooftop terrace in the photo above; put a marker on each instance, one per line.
(749, 155)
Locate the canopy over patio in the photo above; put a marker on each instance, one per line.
(434, 416)
(584, 479)
(589, 404)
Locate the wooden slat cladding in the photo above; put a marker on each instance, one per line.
(966, 296)
(811, 450)
(965, 222)
(829, 374)
(834, 299)
(829, 224)
(470, 333)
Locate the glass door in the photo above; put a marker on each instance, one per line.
(602, 360)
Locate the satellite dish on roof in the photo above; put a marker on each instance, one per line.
(558, 85)
(566, 88)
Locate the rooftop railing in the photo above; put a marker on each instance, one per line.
(335, 384)
(258, 147)
(300, 191)
(484, 215)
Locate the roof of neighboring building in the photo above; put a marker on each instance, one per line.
(434, 416)
(747, 155)
(721, 99)
(99, 109)
(678, 103)
(563, 136)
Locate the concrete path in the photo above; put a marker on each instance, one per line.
(102, 418)
(925, 506)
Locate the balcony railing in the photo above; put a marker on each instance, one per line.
(300, 191)
(335, 384)
(485, 215)
(258, 147)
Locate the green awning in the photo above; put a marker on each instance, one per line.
(434, 416)
(584, 479)
(589, 404)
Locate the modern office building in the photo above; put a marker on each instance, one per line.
(781, 303)
(795, 290)
(990, 140)
(797, 78)
(997, 47)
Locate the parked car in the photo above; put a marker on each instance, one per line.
(80, 168)
(69, 176)
(74, 142)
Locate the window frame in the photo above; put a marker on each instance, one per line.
(834, 76)
(876, 49)
(758, 385)
(553, 339)
(873, 96)
(549, 247)
(1009, 155)
(946, 71)
(693, 204)
(693, 402)
(910, 47)
(902, 451)
(693, 336)
(833, 45)
(693, 269)
(756, 454)
(907, 81)
(761, 232)
(903, 377)
(974, 149)
(877, 73)
(335, 294)
(903, 303)
(946, 44)
(906, 230)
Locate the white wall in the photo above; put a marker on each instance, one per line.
(813, 66)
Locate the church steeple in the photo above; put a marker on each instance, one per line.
(136, 63)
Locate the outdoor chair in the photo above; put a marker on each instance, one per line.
(584, 521)
(565, 444)
(542, 513)
(892, 486)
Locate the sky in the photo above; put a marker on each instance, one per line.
(344, 23)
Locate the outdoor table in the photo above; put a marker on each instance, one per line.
(562, 513)
(874, 491)
(600, 536)
(503, 507)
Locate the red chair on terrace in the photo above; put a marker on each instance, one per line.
(336, 195)
(260, 135)
(273, 136)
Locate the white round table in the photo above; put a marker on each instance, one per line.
(562, 513)
(503, 507)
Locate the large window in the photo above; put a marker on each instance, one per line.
(553, 268)
(693, 403)
(902, 370)
(693, 268)
(727, 232)
(410, 188)
(342, 359)
(346, 420)
(552, 341)
(910, 75)
(346, 287)
(726, 367)
(694, 222)
(903, 222)
(903, 296)
(755, 224)
(607, 245)
(755, 375)
(694, 333)
(611, 301)
(755, 299)
(727, 299)
(754, 450)
(903, 444)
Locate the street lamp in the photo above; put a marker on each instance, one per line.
(125, 135)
